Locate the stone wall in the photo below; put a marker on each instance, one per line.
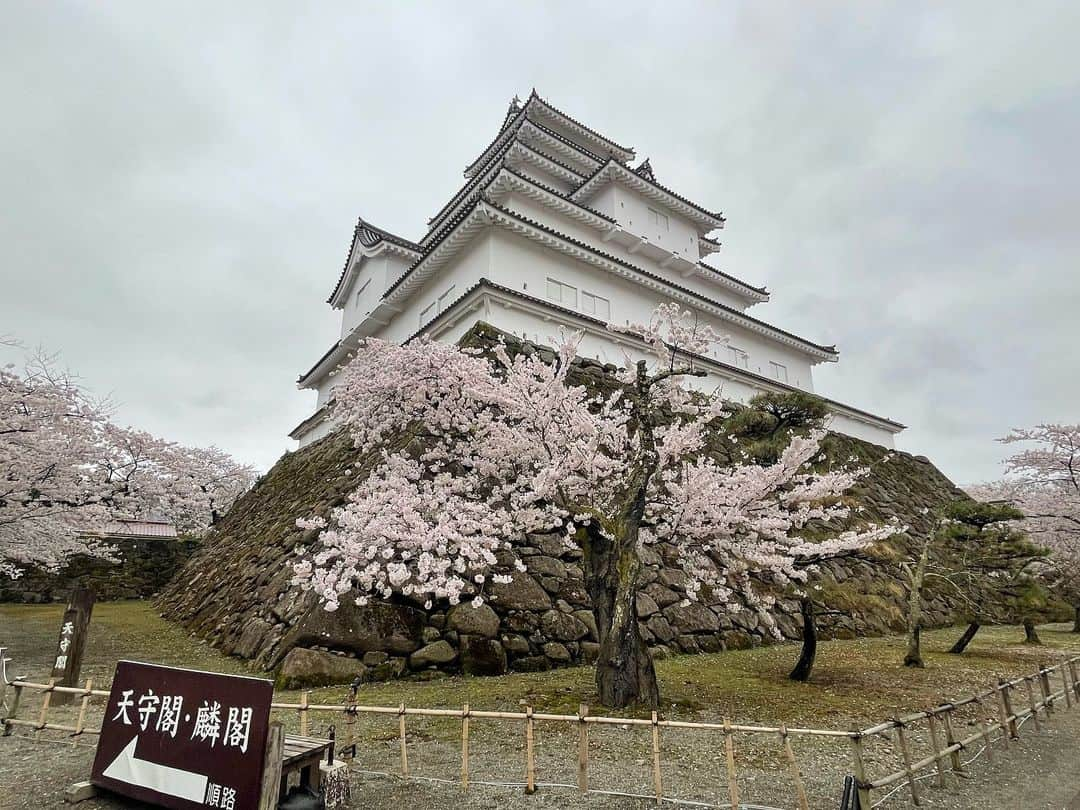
(144, 566)
(236, 591)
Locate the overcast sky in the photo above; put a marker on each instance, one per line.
(181, 181)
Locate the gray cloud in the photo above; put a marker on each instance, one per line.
(181, 182)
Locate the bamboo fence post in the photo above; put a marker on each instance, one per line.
(465, 747)
(1044, 685)
(1075, 678)
(13, 709)
(45, 707)
(583, 749)
(83, 707)
(401, 734)
(1031, 701)
(1066, 688)
(530, 761)
(984, 728)
(859, 766)
(950, 741)
(1006, 699)
(935, 741)
(733, 782)
(658, 782)
(905, 753)
(796, 774)
(303, 712)
(1003, 717)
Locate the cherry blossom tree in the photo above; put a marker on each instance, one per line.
(497, 445)
(1043, 482)
(66, 468)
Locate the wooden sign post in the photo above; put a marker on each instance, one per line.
(72, 643)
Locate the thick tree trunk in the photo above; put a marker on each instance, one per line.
(913, 656)
(1076, 620)
(624, 667)
(965, 639)
(1030, 635)
(805, 666)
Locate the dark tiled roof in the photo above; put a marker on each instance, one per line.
(662, 280)
(565, 140)
(729, 277)
(609, 257)
(560, 195)
(483, 282)
(553, 108)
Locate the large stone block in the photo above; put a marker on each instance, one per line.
(563, 626)
(473, 621)
(379, 626)
(433, 654)
(521, 593)
(482, 656)
(693, 618)
(303, 668)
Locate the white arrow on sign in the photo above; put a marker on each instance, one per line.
(169, 781)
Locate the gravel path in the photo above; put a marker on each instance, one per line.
(1040, 772)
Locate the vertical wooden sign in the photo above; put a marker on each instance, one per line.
(72, 643)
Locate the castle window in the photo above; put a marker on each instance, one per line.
(562, 293)
(427, 313)
(659, 219)
(446, 298)
(737, 357)
(779, 371)
(595, 305)
(360, 292)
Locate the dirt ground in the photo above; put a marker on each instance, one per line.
(856, 682)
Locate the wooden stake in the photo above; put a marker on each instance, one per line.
(1006, 698)
(1066, 688)
(530, 761)
(1031, 700)
(859, 766)
(984, 729)
(1075, 678)
(950, 741)
(1044, 684)
(465, 747)
(82, 709)
(935, 741)
(401, 733)
(658, 784)
(1003, 717)
(303, 712)
(44, 707)
(905, 752)
(583, 749)
(271, 778)
(733, 782)
(796, 774)
(13, 710)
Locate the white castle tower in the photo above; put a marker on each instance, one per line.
(554, 229)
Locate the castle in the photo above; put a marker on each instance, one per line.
(555, 229)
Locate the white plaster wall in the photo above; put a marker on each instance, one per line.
(521, 264)
(631, 210)
(562, 223)
(463, 272)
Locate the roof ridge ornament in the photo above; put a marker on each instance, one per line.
(645, 170)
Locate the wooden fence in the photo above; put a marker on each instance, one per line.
(935, 729)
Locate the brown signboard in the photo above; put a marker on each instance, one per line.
(184, 739)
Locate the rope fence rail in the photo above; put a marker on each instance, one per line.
(934, 729)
